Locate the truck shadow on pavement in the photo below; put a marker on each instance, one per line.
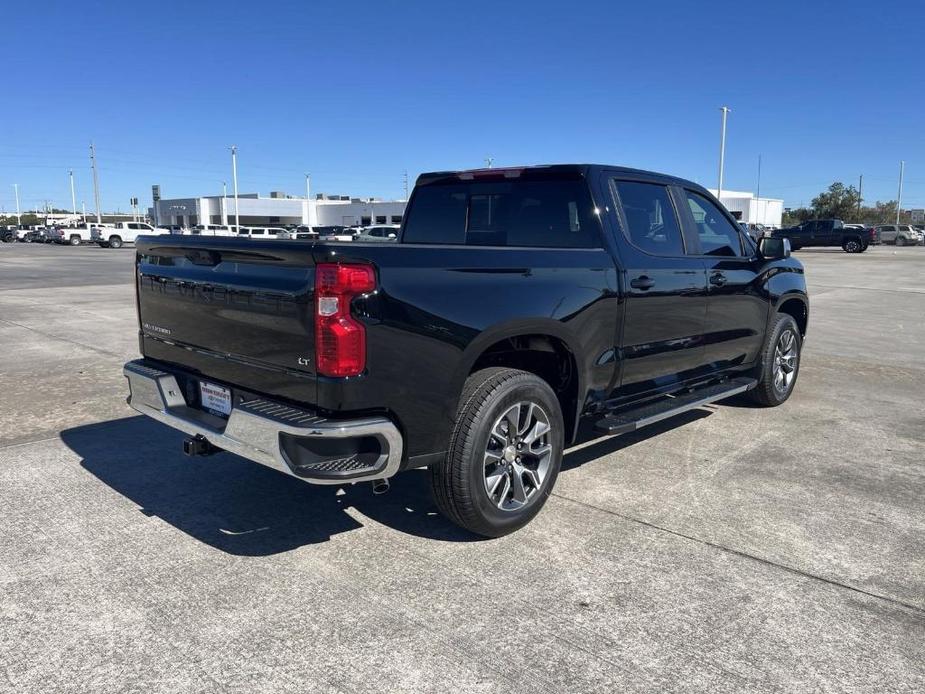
(246, 509)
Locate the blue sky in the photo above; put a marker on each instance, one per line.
(358, 93)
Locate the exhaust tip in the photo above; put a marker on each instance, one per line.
(380, 487)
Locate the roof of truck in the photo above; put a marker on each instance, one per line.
(547, 171)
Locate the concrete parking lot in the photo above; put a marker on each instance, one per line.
(733, 549)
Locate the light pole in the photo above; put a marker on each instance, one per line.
(234, 177)
(722, 153)
(224, 204)
(308, 186)
(18, 215)
(83, 206)
(96, 184)
(73, 197)
(899, 198)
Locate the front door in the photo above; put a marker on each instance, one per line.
(664, 288)
(737, 310)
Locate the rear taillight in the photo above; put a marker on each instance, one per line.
(340, 340)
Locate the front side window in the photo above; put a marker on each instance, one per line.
(545, 214)
(650, 221)
(716, 233)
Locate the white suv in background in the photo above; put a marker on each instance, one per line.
(266, 232)
(900, 234)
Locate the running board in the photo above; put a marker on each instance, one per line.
(669, 406)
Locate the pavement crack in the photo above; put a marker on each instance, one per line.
(58, 337)
(746, 555)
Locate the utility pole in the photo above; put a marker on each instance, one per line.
(73, 197)
(234, 177)
(96, 184)
(224, 189)
(18, 215)
(899, 199)
(758, 190)
(405, 181)
(722, 152)
(83, 206)
(308, 186)
(860, 186)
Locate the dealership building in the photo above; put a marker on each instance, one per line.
(343, 210)
(277, 209)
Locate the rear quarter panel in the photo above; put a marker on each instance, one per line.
(439, 307)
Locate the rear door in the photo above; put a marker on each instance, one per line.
(665, 288)
(737, 309)
(830, 232)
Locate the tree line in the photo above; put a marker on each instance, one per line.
(845, 203)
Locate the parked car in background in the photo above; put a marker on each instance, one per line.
(37, 235)
(81, 233)
(9, 234)
(265, 232)
(121, 233)
(382, 232)
(305, 232)
(898, 234)
(336, 233)
(212, 230)
(825, 232)
(526, 304)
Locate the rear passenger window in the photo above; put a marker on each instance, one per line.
(716, 233)
(650, 221)
(545, 214)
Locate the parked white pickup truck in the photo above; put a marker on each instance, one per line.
(82, 233)
(120, 233)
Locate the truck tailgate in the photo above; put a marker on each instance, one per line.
(235, 310)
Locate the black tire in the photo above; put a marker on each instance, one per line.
(115, 242)
(74, 240)
(852, 246)
(767, 393)
(460, 482)
(864, 247)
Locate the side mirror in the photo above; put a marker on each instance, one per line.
(774, 248)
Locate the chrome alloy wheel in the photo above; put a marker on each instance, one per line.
(852, 246)
(785, 361)
(518, 456)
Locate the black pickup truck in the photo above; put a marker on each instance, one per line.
(520, 310)
(826, 232)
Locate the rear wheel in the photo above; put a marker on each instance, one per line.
(504, 453)
(851, 246)
(74, 240)
(780, 363)
(115, 242)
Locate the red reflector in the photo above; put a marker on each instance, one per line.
(340, 340)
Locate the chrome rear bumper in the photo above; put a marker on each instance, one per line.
(291, 440)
